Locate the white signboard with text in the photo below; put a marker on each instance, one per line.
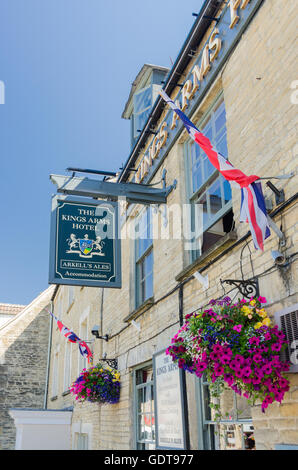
(169, 417)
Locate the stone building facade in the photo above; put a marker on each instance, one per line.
(24, 348)
(235, 78)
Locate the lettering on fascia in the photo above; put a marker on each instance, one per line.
(200, 71)
(188, 91)
(234, 5)
(157, 143)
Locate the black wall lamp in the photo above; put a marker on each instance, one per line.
(95, 331)
(279, 193)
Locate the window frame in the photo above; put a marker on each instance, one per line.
(81, 441)
(55, 372)
(193, 196)
(135, 133)
(140, 259)
(136, 388)
(207, 427)
(84, 336)
(67, 365)
(291, 351)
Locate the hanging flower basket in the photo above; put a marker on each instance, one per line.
(235, 346)
(97, 384)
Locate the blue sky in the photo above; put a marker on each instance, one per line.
(67, 66)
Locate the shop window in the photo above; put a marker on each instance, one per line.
(144, 408)
(209, 193)
(144, 257)
(234, 429)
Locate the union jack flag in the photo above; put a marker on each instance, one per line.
(73, 338)
(253, 208)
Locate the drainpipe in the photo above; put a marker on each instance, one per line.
(101, 321)
(184, 389)
(45, 403)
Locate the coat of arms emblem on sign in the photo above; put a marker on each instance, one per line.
(84, 247)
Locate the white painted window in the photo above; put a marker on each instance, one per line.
(55, 374)
(67, 365)
(81, 436)
(144, 408)
(144, 257)
(83, 361)
(81, 441)
(209, 193)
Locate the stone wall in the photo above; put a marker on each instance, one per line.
(23, 350)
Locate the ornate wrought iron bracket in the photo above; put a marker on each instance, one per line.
(113, 363)
(247, 288)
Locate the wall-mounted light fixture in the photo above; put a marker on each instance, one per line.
(95, 331)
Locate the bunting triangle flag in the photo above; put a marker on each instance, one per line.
(73, 338)
(253, 210)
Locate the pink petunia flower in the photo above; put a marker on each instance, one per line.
(237, 328)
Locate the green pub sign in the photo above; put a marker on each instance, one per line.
(84, 246)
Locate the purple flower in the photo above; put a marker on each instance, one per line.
(239, 359)
(284, 385)
(217, 348)
(229, 379)
(268, 399)
(234, 364)
(219, 370)
(254, 341)
(257, 358)
(214, 356)
(246, 380)
(278, 396)
(246, 371)
(237, 328)
(225, 359)
(236, 389)
(256, 380)
(202, 366)
(267, 369)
